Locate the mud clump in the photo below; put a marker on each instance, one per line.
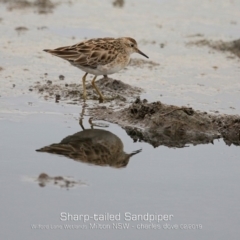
(111, 88)
(21, 29)
(42, 6)
(172, 126)
(118, 3)
(117, 88)
(229, 127)
(63, 182)
(231, 46)
(61, 77)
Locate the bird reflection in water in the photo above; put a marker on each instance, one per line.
(93, 146)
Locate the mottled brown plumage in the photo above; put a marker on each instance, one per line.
(99, 56)
(93, 146)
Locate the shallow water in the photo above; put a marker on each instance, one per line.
(198, 185)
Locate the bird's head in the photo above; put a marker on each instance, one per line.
(130, 45)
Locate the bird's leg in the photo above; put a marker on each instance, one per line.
(84, 86)
(82, 116)
(81, 123)
(101, 98)
(90, 122)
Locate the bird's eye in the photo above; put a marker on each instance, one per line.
(131, 45)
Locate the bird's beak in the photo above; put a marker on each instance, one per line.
(138, 51)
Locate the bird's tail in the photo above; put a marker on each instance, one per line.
(63, 53)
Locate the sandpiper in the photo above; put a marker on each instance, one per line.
(99, 56)
(93, 146)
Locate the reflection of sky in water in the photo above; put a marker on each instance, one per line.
(196, 184)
